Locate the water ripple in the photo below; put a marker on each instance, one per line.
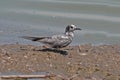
(66, 15)
(100, 3)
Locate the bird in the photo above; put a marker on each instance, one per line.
(56, 41)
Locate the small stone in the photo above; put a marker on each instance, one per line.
(83, 54)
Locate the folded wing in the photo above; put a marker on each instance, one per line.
(61, 41)
(56, 41)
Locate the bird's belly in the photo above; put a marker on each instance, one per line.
(61, 45)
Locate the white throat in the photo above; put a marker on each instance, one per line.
(71, 34)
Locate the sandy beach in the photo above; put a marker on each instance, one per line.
(86, 61)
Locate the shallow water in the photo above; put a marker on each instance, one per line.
(99, 20)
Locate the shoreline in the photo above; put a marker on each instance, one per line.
(100, 62)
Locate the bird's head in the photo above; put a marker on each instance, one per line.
(71, 28)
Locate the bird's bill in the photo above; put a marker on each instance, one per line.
(78, 29)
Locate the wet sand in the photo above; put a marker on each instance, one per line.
(86, 61)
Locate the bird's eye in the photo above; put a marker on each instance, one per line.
(71, 27)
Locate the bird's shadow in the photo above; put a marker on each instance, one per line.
(63, 52)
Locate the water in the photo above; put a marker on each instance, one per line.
(99, 20)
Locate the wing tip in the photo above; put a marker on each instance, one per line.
(32, 38)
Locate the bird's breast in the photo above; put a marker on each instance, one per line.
(64, 37)
(70, 34)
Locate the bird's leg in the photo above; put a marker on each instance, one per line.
(45, 46)
(48, 47)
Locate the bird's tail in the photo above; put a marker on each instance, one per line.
(33, 38)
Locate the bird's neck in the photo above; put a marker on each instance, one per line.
(70, 34)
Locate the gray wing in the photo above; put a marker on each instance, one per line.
(56, 41)
(61, 41)
(46, 40)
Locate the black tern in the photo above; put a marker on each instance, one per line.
(57, 41)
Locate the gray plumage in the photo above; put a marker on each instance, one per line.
(57, 41)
